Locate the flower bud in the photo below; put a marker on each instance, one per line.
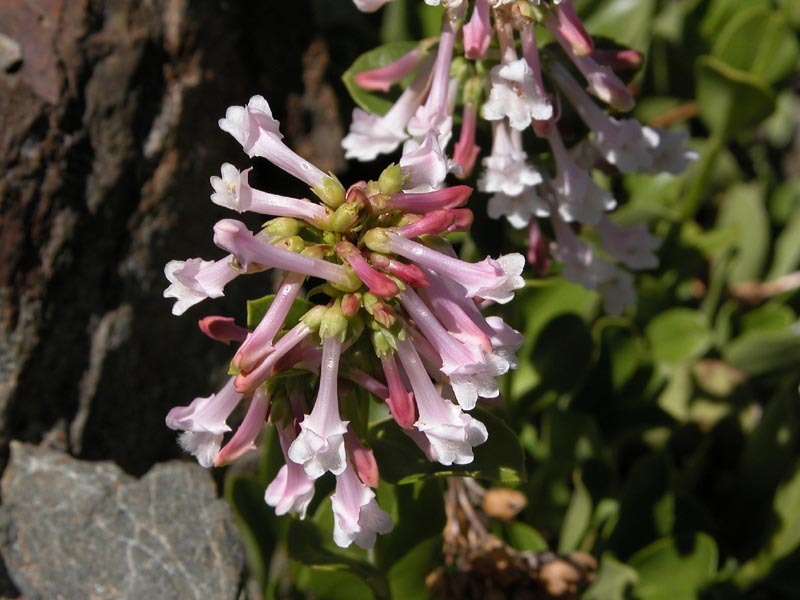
(330, 191)
(292, 244)
(281, 227)
(313, 318)
(351, 303)
(333, 323)
(346, 216)
(383, 342)
(376, 240)
(391, 180)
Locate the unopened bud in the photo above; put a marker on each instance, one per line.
(313, 318)
(345, 217)
(330, 191)
(293, 244)
(383, 342)
(333, 323)
(353, 283)
(351, 303)
(281, 227)
(391, 180)
(376, 240)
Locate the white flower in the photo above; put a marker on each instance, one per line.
(513, 95)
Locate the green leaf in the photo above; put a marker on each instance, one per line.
(787, 249)
(786, 537)
(760, 352)
(565, 335)
(256, 309)
(720, 12)
(772, 316)
(307, 544)
(757, 40)
(375, 58)
(407, 576)
(614, 580)
(577, 518)
(730, 100)
(672, 568)
(525, 538)
(678, 335)
(245, 495)
(605, 20)
(744, 208)
(338, 585)
(500, 459)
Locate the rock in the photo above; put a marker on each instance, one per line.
(76, 529)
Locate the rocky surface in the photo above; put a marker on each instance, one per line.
(74, 529)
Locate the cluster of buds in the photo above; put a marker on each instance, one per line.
(390, 309)
(489, 62)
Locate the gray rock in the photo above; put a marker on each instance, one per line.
(74, 529)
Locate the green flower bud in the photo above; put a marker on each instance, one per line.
(391, 180)
(330, 191)
(375, 240)
(345, 217)
(313, 318)
(282, 227)
(292, 244)
(353, 284)
(473, 91)
(333, 323)
(384, 343)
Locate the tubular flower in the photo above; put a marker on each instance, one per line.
(394, 311)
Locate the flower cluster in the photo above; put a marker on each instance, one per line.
(389, 309)
(489, 62)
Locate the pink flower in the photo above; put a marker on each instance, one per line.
(490, 279)
(292, 490)
(243, 441)
(451, 433)
(382, 78)
(633, 246)
(357, 517)
(204, 423)
(194, 280)
(579, 197)
(369, 5)
(222, 329)
(478, 32)
(234, 237)
(233, 191)
(254, 127)
(259, 342)
(320, 445)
